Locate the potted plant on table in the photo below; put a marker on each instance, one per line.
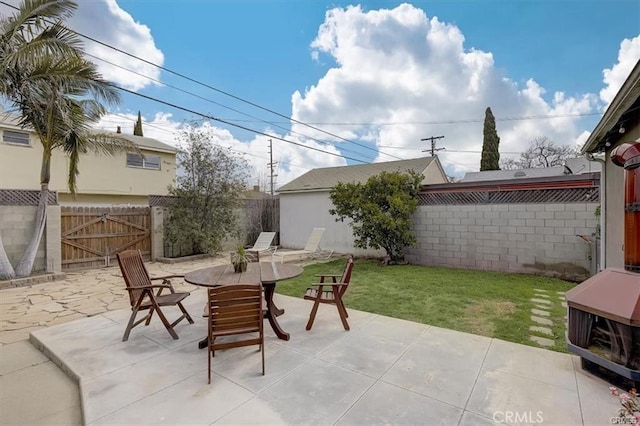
(239, 259)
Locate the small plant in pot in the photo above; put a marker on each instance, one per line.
(239, 259)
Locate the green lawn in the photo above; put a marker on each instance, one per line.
(487, 303)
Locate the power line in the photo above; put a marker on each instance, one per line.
(217, 103)
(210, 117)
(216, 90)
(173, 132)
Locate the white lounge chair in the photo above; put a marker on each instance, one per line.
(312, 248)
(263, 243)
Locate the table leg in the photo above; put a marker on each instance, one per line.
(203, 343)
(273, 311)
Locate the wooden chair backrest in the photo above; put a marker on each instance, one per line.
(346, 276)
(313, 243)
(134, 272)
(235, 309)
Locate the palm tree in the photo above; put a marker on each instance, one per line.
(57, 93)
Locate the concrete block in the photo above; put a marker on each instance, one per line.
(564, 215)
(576, 223)
(453, 235)
(483, 222)
(525, 215)
(516, 237)
(459, 214)
(499, 222)
(526, 230)
(517, 207)
(553, 223)
(578, 207)
(553, 238)
(499, 207)
(491, 215)
(554, 207)
(467, 222)
(526, 244)
(544, 230)
(535, 222)
(539, 207)
(586, 215)
(490, 229)
(491, 243)
(452, 221)
(508, 215)
(544, 215)
(566, 231)
(534, 237)
(517, 222)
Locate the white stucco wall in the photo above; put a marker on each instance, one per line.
(614, 199)
(301, 212)
(614, 220)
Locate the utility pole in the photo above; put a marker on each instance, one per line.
(271, 164)
(433, 144)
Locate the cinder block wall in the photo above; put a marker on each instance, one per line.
(16, 229)
(531, 238)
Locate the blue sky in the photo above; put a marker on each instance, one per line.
(399, 70)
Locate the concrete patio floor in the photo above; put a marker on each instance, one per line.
(382, 371)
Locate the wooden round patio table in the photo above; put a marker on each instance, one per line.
(267, 273)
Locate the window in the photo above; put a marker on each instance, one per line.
(18, 138)
(146, 162)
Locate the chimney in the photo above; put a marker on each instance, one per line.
(256, 188)
(118, 130)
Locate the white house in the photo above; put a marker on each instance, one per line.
(305, 202)
(619, 124)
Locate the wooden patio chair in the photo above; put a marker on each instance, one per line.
(330, 292)
(235, 309)
(141, 293)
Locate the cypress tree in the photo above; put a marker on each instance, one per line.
(490, 155)
(137, 128)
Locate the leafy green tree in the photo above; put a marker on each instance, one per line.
(207, 195)
(57, 94)
(380, 210)
(137, 128)
(490, 155)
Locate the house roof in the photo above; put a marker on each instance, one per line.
(573, 166)
(144, 142)
(327, 177)
(11, 120)
(622, 112)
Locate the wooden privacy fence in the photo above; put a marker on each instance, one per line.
(91, 236)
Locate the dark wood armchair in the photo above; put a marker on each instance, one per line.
(235, 310)
(330, 292)
(141, 293)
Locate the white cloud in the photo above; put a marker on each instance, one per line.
(400, 66)
(614, 77)
(105, 21)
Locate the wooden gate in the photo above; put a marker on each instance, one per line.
(91, 236)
